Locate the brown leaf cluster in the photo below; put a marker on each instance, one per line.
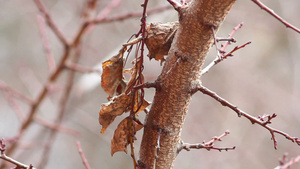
(126, 99)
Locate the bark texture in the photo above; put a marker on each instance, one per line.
(180, 74)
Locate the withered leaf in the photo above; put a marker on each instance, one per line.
(134, 75)
(112, 79)
(122, 134)
(159, 39)
(139, 105)
(116, 107)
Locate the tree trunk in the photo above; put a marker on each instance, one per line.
(180, 74)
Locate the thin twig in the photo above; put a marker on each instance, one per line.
(175, 4)
(84, 160)
(218, 60)
(239, 26)
(221, 54)
(57, 127)
(113, 4)
(80, 68)
(122, 17)
(37, 102)
(14, 93)
(62, 109)
(50, 22)
(206, 145)
(290, 163)
(10, 160)
(252, 119)
(46, 45)
(270, 11)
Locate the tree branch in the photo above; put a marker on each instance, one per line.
(270, 11)
(84, 160)
(260, 120)
(8, 159)
(206, 145)
(191, 44)
(50, 22)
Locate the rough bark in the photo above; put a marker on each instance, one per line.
(180, 74)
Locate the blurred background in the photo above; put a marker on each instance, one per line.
(263, 78)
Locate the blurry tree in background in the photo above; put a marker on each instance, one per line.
(50, 68)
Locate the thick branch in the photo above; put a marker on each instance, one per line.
(190, 45)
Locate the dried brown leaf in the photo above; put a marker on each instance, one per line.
(122, 134)
(134, 75)
(112, 79)
(108, 112)
(139, 105)
(159, 39)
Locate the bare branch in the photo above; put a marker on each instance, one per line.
(80, 68)
(84, 160)
(252, 119)
(284, 164)
(270, 11)
(13, 161)
(50, 22)
(57, 127)
(239, 26)
(14, 93)
(221, 54)
(218, 60)
(129, 15)
(175, 4)
(62, 107)
(206, 145)
(46, 45)
(113, 4)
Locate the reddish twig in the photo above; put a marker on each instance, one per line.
(175, 4)
(206, 145)
(10, 160)
(239, 26)
(113, 4)
(129, 15)
(14, 93)
(81, 69)
(46, 45)
(51, 23)
(84, 160)
(252, 119)
(57, 127)
(235, 49)
(219, 59)
(62, 107)
(271, 12)
(221, 54)
(284, 164)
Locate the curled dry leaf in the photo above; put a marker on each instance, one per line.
(122, 134)
(139, 105)
(134, 75)
(112, 79)
(159, 39)
(116, 107)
